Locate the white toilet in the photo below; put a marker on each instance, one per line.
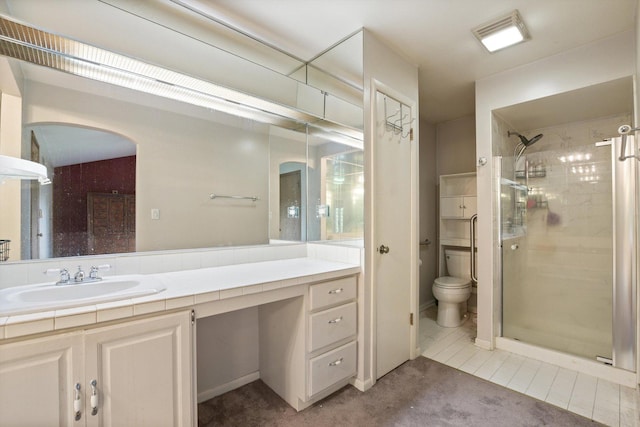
(453, 291)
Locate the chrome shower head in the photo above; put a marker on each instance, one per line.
(523, 140)
(523, 144)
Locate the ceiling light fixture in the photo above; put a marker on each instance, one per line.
(502, 32)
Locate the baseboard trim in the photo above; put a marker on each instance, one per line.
(362, 385)
(567, 361)
(231, 385)
(426, 305)
(483, 344)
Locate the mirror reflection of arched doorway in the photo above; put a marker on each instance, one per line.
(292, 201)
(90, 206)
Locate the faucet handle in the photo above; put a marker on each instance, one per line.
(93, 274)
(63, 272)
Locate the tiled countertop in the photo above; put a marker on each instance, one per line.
(184, 289)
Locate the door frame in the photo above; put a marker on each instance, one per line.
(371, 237)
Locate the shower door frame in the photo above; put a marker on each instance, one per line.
(624, 256)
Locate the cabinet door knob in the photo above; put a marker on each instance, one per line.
(335, 291)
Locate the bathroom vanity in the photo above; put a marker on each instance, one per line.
(133, 361)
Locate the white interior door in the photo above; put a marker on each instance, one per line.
(393, 168)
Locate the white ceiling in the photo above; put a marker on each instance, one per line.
(63, 145)
(433, 34)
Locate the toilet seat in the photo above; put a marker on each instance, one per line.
(451, 282)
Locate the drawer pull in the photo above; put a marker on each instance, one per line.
(94, 397)
(336, 362)
(336, 320)
(77, 403)
(336, 291)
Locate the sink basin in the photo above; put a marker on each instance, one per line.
(47, 297)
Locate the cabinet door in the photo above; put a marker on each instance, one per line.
(451, 207)
(143, 371)
(37, 379)
(470, 204)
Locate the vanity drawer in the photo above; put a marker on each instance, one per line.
(331, 367)
(332, 293)
(332, 325)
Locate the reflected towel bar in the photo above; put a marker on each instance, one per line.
(218, 196)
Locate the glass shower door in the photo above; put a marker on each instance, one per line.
(557, 238)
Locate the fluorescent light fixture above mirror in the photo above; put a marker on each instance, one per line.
(502, 32)
(21, 41)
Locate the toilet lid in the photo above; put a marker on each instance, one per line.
(452, 282)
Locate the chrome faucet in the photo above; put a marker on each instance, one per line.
(79, 276)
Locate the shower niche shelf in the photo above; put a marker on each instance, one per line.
(532, 174)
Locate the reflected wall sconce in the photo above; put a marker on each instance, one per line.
(322, 211)
(293, 212)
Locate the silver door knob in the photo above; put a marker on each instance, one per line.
(514, 246)
(383, 249)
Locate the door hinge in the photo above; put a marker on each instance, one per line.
(193, 317)
(411, 319)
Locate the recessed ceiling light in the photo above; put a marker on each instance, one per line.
(502, 32)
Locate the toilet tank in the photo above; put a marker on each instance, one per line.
(458, 263)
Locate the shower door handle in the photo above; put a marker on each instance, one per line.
(472, 245)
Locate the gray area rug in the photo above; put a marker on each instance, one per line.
(421, 392)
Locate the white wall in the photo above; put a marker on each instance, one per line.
(10, 190)
(599, 62)
(428, 213)
(227, 350)
(456, 142)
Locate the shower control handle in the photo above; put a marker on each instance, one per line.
(383, 249)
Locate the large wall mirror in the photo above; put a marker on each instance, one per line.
(135, 171)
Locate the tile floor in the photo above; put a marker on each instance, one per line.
(594, 398)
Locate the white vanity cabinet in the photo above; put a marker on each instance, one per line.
(142, 371)
(308, 344)
(37, 380)
(141, 368)
(332, 327)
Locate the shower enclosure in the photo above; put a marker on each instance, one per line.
(566, 225)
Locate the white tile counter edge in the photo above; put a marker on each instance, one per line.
(185, 288)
